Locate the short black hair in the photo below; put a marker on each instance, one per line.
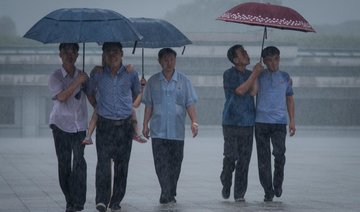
(270, 51)
(107, 45)
(74, 46)
(231, 54)
(166, 51)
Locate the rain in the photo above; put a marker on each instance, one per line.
(322, 159)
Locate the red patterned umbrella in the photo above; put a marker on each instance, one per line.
(267, 15)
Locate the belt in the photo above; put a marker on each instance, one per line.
(119, 122)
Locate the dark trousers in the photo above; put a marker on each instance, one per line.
(72, 173)
(113, 142)
(276, 134)
(238, 142)
(168, 156)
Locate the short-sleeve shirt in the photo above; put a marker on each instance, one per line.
(71, 115)
(169, 101)
(239, 110)
(271, 106)
(114, 94)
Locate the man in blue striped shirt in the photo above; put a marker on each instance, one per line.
(112, 92)
(168, 95)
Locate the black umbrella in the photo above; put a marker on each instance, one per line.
(157, 33)
(82, 25)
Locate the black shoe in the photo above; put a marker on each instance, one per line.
(240, 199)
(115, 208)
(278, 191)
(167, 200)
(225, 192)
(78, 208)
(101, 207)
(69, 208)
(268, 197)
(164, 200)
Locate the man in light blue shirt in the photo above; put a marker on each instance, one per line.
(273, 103)
(168, 96)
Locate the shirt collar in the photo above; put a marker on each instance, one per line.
(173, 78)
(65, 74)
(121, 69)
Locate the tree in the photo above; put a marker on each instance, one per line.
(7, 27)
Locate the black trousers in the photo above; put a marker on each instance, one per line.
(265, 135)
(168, 156)
(72, 172)
(113, 142)
(238, 142)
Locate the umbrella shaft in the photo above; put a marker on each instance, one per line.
(83, 69)
(263, 40)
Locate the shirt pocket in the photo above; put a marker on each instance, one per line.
(179, 96)
(156, 97)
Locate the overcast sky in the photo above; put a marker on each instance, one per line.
(25, 13)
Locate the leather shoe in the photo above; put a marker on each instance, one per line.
(225, 192)
(278, 191)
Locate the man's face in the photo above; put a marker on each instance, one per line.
(242, 57)
(113, 56)
(272, 62)
(68, 55)
(168, 62)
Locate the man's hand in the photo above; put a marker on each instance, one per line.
(82, 77)
(292, 129)
(146, 132)
(258, 68)
(194, 129)
(129, 68)
(143, 82)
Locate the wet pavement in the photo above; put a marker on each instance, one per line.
(322, 173)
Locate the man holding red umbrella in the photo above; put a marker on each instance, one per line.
(238, 122)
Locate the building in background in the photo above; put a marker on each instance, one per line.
(326, 82)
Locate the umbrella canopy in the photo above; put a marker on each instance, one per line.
(81, 25)
(157, 33)
(267, 15)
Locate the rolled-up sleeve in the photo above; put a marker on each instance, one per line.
(146, 99)
(55, 85)
(191, 97)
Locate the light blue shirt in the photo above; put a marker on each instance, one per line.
(114, 94)
(168, 100)
(271, 106)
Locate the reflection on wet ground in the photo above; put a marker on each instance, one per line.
(321, 174)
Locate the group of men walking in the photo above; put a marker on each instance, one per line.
(168, 96)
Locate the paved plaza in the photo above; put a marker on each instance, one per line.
(322, 173)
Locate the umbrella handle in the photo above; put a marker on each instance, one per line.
(142, 61)
(182, 53)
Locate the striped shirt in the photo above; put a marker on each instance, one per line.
(114, 94)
